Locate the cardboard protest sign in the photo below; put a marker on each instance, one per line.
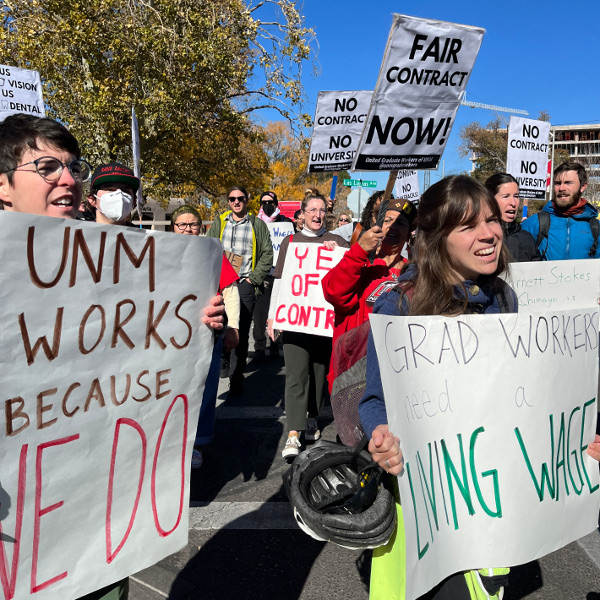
(300, 304)
(278, 232)
(425, 69)
(339, 121)
(407, 186)
(494, 414)
(20, 92)
(235, 259)
(103, 364)
(527, 155)
(555, 284)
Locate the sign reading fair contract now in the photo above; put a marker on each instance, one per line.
(103, 359)
(20, 92)
(300, 303)
(425, 69)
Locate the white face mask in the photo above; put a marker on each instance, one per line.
(115, 205)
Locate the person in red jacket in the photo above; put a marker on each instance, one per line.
(354, 284)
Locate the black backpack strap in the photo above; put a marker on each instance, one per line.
(595, 227)
(544, 228)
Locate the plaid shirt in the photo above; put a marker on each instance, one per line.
(237, 238)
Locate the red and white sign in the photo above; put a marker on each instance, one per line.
(300, 304)
(103, 359)
(288, 207)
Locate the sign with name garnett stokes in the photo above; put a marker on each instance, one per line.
(103, 359)
(494, 414)
(425, 69)
(527, 155)
(339, 120)
(20, 92)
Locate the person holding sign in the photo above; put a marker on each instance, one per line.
(42, 173)
(306, 356)
(567, 227)
(187, 220)
(520, 243)
(459, 257)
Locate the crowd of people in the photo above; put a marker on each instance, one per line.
(442, 257)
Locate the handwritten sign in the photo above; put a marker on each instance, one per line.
(103, 364)
(555, 285)
(278, 232)
(20, 92)
(300, 304)
(407, 186)
(527, 155)
(425, 69)
(494, 414)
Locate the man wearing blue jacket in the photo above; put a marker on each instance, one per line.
(570, 228)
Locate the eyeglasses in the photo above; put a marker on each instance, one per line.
(314, 211)
(237, 198)
(195, 225)
(344, 220)
(50, 168)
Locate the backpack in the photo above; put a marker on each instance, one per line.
(544, 223)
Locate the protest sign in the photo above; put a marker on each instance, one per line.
(425, 69)
(288, 207)
(20, 92)
(103, 364)
(494, 414)
(339, 121)
(300, 304)
(407, 186)
(555, 284)
(278, 232)
(527, 155)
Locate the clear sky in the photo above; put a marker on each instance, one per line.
(536, 55)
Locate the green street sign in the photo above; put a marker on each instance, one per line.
(360, 183)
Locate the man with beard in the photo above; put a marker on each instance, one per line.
(567, 227)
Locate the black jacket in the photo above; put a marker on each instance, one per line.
(520, 243)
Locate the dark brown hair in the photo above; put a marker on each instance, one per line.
(450, 203)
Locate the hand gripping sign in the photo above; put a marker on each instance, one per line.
(494, 414)
(425, 69)
(300, 304)
(339, 121)
(104, 360)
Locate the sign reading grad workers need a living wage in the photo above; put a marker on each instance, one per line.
(425, 69)
(20, 92)
(301, 305)
(102, 367)
(339, 121)
(494, 414)
(527, 155)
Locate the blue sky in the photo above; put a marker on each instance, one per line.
(535, 56)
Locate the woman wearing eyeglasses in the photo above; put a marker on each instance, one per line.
(306, 356)
(186, 220)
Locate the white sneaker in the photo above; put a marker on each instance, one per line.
(312, 433)
(292, 446)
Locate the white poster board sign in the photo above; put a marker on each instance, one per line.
(425, 69)
(339, 121)
(300, 304)
(555, 284)
(407, 186)
(527, 155)
(103, 365)
(20, 92)
(494, 414)
(278, 232)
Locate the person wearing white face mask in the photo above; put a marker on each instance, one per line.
(112, 193)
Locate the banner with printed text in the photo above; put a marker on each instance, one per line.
(339, 121)
(527, 155)
(103, 364)
(425, 69)
(300, 304)
(494, 414)
(20, 92)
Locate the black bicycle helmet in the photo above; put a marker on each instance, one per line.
(337, 496)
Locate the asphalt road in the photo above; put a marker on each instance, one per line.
(244, 543)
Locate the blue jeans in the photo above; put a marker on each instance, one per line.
(205, 432)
